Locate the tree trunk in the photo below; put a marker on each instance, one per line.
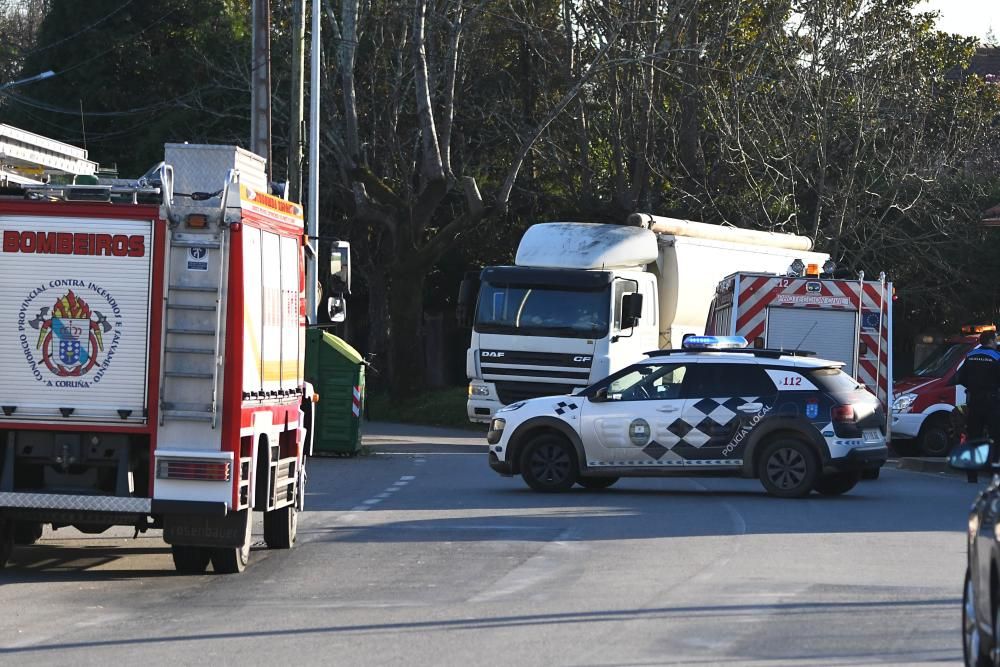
(378, 327)
(406, 341)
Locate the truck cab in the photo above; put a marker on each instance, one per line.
(926, 399)
(541, 329)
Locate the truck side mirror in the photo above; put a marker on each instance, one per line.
(468, 292)
(336, 308)
(340, 268)
(631, 309)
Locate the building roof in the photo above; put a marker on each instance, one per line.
(991, 216)
(985, 63)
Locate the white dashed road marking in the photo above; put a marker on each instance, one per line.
(386, 493)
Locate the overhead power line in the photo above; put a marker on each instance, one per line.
(79, 32)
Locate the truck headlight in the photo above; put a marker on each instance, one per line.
(478, 390)
(903, 403)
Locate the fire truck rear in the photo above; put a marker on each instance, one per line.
(836, 318)
(152, 358)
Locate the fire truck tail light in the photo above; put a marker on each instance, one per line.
(189, 469)
(812, 270)
(842, 413)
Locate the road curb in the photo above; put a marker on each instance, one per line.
(927, 464)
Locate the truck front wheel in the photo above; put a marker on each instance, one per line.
(936, 437)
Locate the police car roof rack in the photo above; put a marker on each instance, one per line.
(757, 352)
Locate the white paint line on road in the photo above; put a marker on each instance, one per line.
(386, 493)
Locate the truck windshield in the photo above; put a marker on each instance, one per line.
(942, 359)
(540, 310)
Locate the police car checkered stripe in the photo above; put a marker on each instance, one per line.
(711, 416)
(58, 501)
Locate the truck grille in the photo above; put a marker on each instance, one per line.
(512, 392)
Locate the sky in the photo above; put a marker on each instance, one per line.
(967, 17)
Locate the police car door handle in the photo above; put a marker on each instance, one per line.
(667, 408)
(750, 407)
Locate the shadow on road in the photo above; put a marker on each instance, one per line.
(715, 613)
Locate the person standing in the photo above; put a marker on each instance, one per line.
(980, 374)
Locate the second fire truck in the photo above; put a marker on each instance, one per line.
(152, 357)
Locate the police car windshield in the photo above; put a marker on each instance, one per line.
(539, 310)
(942, 359)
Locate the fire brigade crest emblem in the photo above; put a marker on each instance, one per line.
(71, 337)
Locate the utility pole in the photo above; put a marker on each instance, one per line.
(297, 121)
(260, 83)
(313, 208)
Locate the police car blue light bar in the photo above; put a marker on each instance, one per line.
(714, 342)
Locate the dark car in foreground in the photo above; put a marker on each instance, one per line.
(981, 597)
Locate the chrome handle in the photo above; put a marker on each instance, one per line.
(750, 407)
(667, 408)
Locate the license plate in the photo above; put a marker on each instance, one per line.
(872, 436)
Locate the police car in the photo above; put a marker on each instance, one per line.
(716, 407)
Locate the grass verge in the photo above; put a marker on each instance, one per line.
(436, 407)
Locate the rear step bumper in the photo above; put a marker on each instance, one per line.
(116, 504)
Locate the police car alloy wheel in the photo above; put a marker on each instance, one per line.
(549, 464)
(788, 468)
(595, 483)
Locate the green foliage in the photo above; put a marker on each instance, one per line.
(442, 407)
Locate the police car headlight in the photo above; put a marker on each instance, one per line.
(511, 407)
(904, 403)
(497, 425)
(479, 390)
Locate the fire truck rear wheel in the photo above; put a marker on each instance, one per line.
(233, 560)
(190, 560)
(27, 532)
(6, 541)
(281, 526)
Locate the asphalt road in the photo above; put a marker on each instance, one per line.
(418, 554)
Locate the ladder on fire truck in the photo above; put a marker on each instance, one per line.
(195, 278)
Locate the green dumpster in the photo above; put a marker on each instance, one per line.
(337, 373)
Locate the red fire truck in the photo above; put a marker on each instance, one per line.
(837, 319)
(153, 358)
